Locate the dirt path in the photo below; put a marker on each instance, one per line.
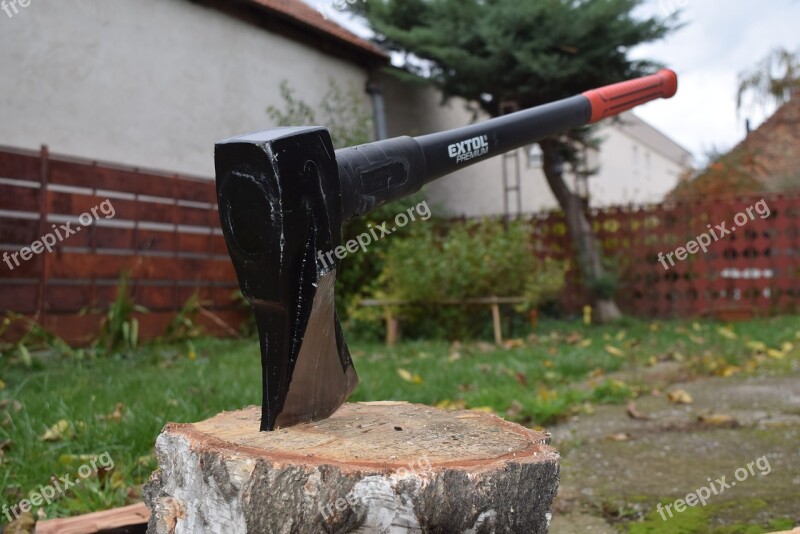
(616, 469)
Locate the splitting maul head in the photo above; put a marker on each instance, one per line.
(284, 194)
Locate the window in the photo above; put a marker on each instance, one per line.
(535, 157)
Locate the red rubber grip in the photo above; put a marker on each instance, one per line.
(614, 99)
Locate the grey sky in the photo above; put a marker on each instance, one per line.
(721, 38)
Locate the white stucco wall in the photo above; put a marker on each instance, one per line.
(152, 83)
(620, 179)
(632, 171)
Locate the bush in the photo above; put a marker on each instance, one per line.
(441, 261)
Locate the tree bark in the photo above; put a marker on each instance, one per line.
(587, 250)
(385, 467)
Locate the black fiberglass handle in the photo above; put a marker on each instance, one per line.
(380, 172)
(377, 173)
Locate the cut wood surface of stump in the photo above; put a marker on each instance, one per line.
(371, 467)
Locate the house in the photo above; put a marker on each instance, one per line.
(635, 163)
(155, 83)
(767, 160)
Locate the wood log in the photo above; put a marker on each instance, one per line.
(116, 519)
(370, 468)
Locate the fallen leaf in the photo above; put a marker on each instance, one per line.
(2, 385)
(522, 378)
(23, 524)
(697, 340)
(545, 394)
(634, 413)
(447, 404)
(548, 364)
(680, 396)
(776, 354)
(620, 335)
(574, 338)
(597, 373)
(513, 344)
(678, 357)
(614, 351)
(622, 436)
(696, 326)
(58, 431)
(586, 343)
(724, 331)
(729, 370)
(787, 347)
(115, 416)
(409, 377)
(757, 346)
(718, 420)
(484, 409)
(454, 356)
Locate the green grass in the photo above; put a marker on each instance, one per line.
(561, 370)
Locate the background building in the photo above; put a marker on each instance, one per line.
(154, 83)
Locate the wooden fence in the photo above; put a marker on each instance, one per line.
(164, 232)
(752, 270)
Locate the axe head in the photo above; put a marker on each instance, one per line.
(279, 198)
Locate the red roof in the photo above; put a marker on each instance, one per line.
(312, 19)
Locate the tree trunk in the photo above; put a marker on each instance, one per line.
(387, 467)
(587, 250)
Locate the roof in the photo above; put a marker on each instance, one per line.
(766, 160)
(312, 19)
(646, 133)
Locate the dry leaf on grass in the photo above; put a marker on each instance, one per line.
(718, 420)
(634, 412)
(680, 396)
(727, 332)
(622, 436)
(58, 431)
(115, 416)
(614, 351)
(409, 377)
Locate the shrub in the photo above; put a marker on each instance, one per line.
(444, 261)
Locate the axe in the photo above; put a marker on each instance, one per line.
(284, 195)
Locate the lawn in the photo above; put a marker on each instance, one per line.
(59, 413)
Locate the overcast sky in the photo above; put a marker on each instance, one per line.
(720, 39)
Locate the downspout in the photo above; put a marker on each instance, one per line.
(379, 110)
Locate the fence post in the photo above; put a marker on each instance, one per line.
(43, 180)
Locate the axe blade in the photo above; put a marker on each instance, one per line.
(280, 207)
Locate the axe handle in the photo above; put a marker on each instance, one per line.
(380, 172)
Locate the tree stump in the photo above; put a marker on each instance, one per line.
(371, 468)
